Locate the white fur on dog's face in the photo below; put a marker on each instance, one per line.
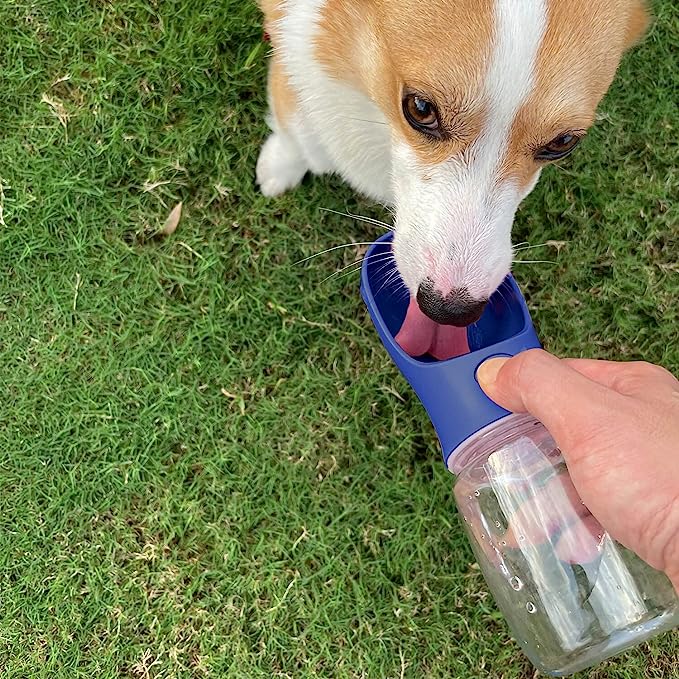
(506, 76)
(454, 219)
(454, 222)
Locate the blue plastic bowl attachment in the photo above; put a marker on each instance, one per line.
(456, 405)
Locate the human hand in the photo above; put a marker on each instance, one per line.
(617, 425)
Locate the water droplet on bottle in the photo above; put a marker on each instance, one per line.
(530, 607)
(477, 493)
(469, 497)
(522, 538)
(515, 583)
(504, 543)
(498, 524)
(483, 536)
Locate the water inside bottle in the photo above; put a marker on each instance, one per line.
(557, 575)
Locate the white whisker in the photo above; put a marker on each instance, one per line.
(534, 261)
(360, 218)
(516, 248)
(525, 246)
(348, 273)
(501, 294)
(358, 261)
(336, 247)
(335, 274)
(389, 280)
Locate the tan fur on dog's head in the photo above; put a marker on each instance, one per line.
(508, 81)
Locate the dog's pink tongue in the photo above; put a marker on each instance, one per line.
(420, 335)
(450, 342)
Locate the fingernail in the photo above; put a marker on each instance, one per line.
(488, 370)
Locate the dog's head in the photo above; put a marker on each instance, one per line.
(480, 95)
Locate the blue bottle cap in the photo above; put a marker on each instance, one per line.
(456, 405)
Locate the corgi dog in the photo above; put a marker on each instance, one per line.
(445, 111)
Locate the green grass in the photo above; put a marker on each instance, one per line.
(206, 468)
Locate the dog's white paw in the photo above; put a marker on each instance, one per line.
(280, 166)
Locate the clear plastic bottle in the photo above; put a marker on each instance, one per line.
(571, 595)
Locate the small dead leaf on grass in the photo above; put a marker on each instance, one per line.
(150, 186)
(172, 221)
(58, 109)
(556, 244)
(62, 79)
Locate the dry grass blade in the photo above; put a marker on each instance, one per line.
(172, 221)
(3, 186)
(58, 109)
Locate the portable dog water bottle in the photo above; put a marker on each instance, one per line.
(571, 595)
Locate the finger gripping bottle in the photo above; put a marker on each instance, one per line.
(572, 596)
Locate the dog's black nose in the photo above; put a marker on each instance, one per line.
(458, 307)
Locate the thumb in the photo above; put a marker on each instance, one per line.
(570, 405)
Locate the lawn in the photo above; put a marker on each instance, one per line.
(208, 465)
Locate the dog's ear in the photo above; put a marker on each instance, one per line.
(637, 23)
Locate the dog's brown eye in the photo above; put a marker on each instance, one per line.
(421, 114)
(558, 148)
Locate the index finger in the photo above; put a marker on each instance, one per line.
(632, 378)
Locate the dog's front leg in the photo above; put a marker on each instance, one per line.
(281, 164)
